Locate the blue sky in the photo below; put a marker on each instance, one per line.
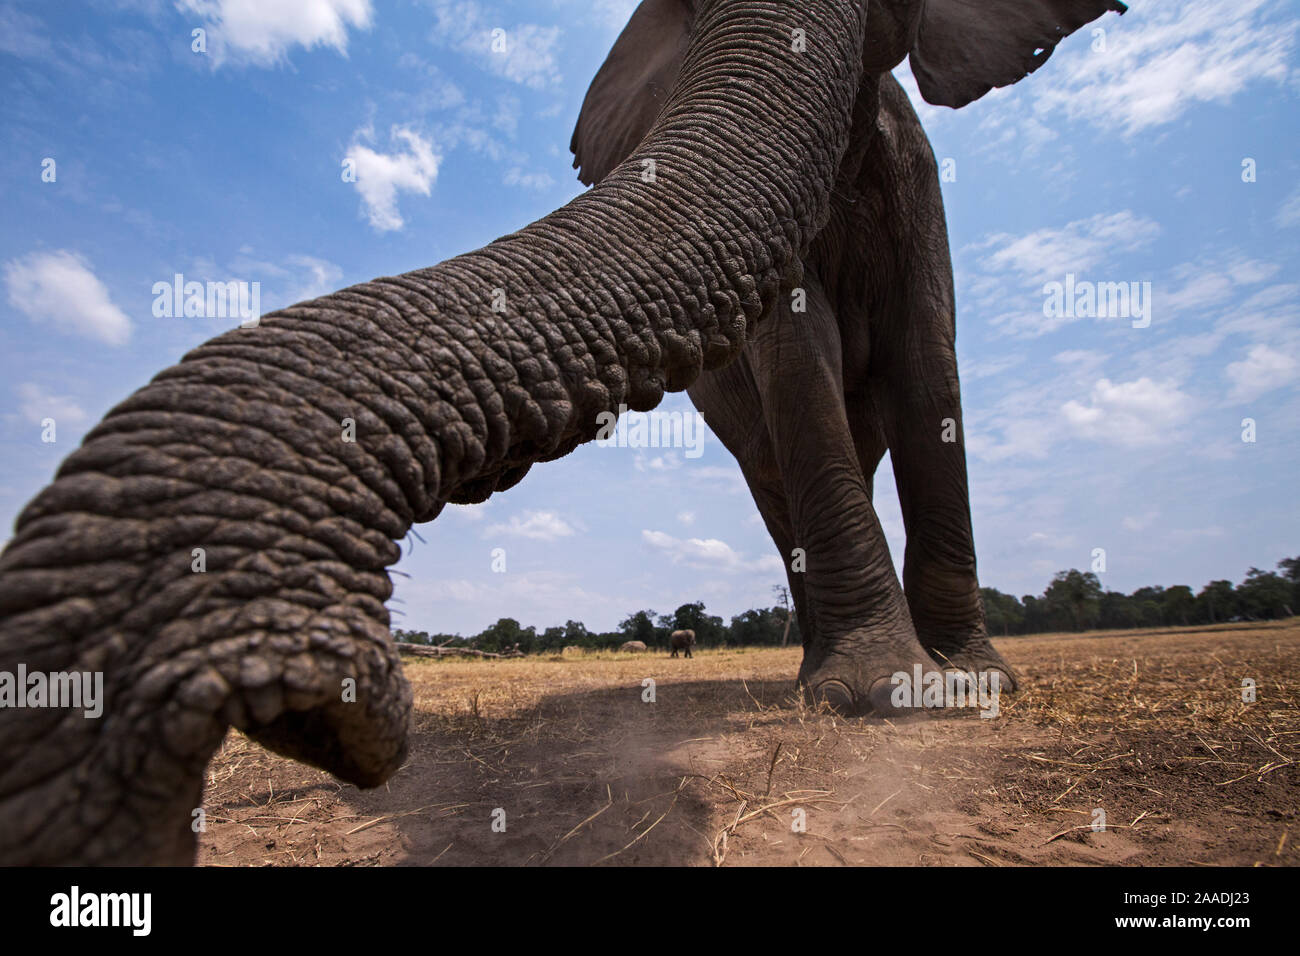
(1125, 159)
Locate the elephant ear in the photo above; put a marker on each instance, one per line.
(631, 87)
(964, 48)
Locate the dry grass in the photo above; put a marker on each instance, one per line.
(1149, 727)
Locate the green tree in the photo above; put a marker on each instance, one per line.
(1151, 606)
(552, 639)
(575, 632)
(505, 634)
(758, 627)
(1037, 618)
(1216, 602)
(1265, 595)
(787, 608)
(1178, 604)
(1073, 599)
(641, 627)
(411, 637)
(1118, 611)
(1290, 568)
(709, 629)
(1003, 614)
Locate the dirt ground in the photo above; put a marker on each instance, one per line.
(1148, 727)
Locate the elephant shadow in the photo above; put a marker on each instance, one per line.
(580, 777)
(586, 777)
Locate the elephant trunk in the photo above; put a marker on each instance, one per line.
(217, 548)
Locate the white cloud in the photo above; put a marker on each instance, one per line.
(1140, 522)
(471, 513)
(21, 34)
(726, 477)
(615, 13)
(973, 370)
(517, 177)
(523, 53)
(610, 14)
(1141, 412)
(556, 595)
(1272, 311)
(1041, 539)
(318, 277)
(506, 118)
(296, 278)
(433, 91)
(1288, 214)
(60, 287)
(1161, 59)
(708, 554)
(1021, 437)
(1075, 247)
(1198, 292)
(1250, 271)
(538, 525)
(657, 463)
(36, 404)
(1028, 262)
(686, 517)
(1080, 360)
(262, 31)
(381, 176)
(1210, 282)
(1262, 370)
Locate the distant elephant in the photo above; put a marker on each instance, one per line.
(766, 211)
(634, 647)
(682, 641)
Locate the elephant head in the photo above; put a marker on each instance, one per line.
(958, 50)
(217, 547)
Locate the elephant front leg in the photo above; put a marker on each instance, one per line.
(939, 575)
(864, 633)
(921, 399)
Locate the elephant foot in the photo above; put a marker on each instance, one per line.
(858, 678)
(972, 655)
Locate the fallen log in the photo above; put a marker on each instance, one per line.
(442, 650)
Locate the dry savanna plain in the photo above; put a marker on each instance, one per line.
(556, 760)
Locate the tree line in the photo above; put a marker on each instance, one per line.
(1074, 601)
(757, 627)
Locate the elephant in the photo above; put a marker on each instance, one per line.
(632, 647)
(862, 359)
(682, 641)
(295, 453)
